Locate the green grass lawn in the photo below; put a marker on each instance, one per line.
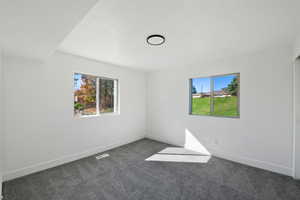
(201, 106)
(226, 106)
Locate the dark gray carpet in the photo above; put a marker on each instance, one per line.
(126, 176)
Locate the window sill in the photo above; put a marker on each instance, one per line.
(217, 116)
(98, 115)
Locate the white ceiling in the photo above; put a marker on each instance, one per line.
(35, 28)
(115, 31)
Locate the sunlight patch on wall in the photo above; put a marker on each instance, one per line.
(192, 143)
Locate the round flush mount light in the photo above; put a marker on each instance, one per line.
(155, 39)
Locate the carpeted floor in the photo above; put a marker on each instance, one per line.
(125, 175)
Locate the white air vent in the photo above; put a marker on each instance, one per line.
(102, 156)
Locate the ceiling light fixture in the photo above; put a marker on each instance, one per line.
(156, 40)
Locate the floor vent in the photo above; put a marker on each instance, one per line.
(102, 156)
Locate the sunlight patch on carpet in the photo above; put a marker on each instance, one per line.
(178, 154)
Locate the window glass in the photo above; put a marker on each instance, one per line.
(215, 96)
(225, 93)
(94, 95)
(107, 94)
(200, 96)
(84, 95)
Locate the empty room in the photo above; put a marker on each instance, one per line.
(150, 100)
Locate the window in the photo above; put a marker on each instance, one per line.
(215, 96)
(94, 95)
(106, 95)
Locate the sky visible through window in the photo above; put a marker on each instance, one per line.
(77, 81)
(220, 82)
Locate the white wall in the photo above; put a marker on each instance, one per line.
(41, 131)
(297, 119)
(40, 128)
(297, 109)
(1, 121)
(296, 52)
(263, 135)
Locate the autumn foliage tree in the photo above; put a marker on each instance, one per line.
(86, 95)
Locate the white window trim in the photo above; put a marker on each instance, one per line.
(116, 98)
(212, 94)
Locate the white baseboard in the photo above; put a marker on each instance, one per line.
(63, 160)
(239, 159)
(163, 140)
(254, 163)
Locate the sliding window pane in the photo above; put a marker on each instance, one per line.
(84, 95)
(225, 96)
(200, 96)
(107, 93)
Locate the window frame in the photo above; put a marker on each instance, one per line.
(211, 78)
(116, 96)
